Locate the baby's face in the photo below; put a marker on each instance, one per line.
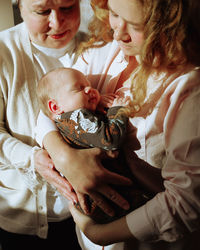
(76, 92)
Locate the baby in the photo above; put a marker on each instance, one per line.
(87, 119)
(66, 96)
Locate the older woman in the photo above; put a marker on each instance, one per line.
(48, 38)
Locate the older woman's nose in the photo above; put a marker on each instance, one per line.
(55, 20)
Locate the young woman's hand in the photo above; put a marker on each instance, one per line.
(45, 167)
(83, 169)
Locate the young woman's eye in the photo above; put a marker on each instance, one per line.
(138, 28)
(112, 14)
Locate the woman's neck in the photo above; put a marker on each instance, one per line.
(132, 64)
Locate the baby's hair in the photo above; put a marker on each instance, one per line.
(49, 87)
(46, 89)
(42, 91)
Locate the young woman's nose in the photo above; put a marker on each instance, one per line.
(55, 20)
(120, 32)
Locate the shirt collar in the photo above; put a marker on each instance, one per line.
(56, 53)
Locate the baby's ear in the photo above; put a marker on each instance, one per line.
(53, 107)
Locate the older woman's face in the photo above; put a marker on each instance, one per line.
(51, 23)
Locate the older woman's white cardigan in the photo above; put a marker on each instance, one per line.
(22, 192)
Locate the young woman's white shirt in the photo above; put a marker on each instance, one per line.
(170, 140)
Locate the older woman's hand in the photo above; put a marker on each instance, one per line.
(45, 167)
(89, 177)
(83, 169)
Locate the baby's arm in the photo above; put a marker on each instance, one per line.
(87, 129)
(112, 100)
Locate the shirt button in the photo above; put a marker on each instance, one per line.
(40, 208)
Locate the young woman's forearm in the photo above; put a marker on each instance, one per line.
(116, 231)
(150, 177)
(102, 234)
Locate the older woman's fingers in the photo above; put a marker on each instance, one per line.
(63, 186)
(83, 201)
(114, 196)
(101, 202)
(44, 166)
(116, 179)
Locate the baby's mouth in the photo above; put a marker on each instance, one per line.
(92, 99)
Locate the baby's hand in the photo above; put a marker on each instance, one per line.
(121, 101)
(106, 101)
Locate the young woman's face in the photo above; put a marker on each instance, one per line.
(126, 20)
(51, 23)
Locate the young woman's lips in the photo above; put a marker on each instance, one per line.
(59, 36)
(125, 45)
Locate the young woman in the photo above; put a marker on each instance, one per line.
(164, 37)
(47, 39)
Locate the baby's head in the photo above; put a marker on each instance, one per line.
(65, 89)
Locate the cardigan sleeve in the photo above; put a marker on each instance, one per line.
(15, 153)
(17, 145)
(43, 127)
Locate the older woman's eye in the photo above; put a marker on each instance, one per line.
(43, 12)
(67, 9)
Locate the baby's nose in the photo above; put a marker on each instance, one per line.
(88, 89)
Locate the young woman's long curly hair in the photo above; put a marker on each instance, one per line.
(171, 39)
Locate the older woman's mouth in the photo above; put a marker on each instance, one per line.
(59, 36)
